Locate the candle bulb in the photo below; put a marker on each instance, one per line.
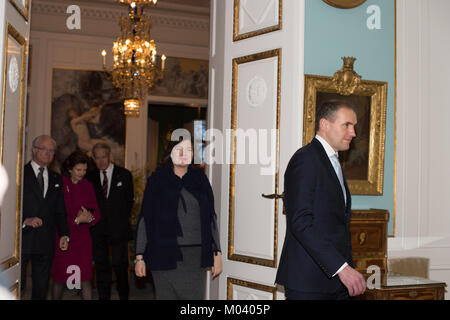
(104, 57)
(163, 61)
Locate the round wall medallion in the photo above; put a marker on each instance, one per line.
(256, 91)
(13, 74)
(344, 4)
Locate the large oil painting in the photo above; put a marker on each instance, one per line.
(184, 78)
(86, 109)
(363, 163)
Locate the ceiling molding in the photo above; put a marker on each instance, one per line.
(162, 17)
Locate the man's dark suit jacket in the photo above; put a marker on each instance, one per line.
(116, 209)
(50, 209)
(317, 241)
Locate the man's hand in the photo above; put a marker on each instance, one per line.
(63, 243)
(353, 281)
(34, 222)
(217, 268)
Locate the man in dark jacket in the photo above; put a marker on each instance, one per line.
(316, 261)
(115, 196)
(43, 209)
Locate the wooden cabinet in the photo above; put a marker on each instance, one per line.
(399, 287)
(368, 230)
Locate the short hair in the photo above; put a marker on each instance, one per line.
(327, 110)
(72, 160)
(166, 160)
(101, 145)
(37, 140)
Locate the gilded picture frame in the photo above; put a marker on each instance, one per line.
(237, 36)
(12, 123)
(363, 164)
(22, 7)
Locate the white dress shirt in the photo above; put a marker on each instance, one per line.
(36, 167)
(109, 172)
(330, 152)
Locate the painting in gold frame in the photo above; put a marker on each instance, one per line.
(253, 33)
(12, 124)
(22, 6)
(363, 163)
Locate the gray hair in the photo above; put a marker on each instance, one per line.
(36, 141)
(101, 145)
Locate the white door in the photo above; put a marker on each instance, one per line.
(255, 121)
(14, 30)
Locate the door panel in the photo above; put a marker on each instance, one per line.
(254, 149)
(13, 20)
(256, 93)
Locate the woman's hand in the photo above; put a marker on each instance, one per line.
(217, 268)
(139, 267)
(84, 216)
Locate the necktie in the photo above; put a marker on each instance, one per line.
(338, 170)
(105, 184)
(40, 179)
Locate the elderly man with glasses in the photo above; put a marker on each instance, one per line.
(43, 210)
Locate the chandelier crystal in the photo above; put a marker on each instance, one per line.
(134, 69)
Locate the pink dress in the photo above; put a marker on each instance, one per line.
(79, 252)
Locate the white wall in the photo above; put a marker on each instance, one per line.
(422, 152)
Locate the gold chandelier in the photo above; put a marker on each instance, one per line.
(134, 70)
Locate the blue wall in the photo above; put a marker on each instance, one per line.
(332, 33)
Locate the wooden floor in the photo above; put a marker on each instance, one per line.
(140, 289)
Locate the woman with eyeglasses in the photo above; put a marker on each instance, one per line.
(177, 237)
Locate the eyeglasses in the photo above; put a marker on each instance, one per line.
(45, 149)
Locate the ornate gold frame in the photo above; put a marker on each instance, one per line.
(25, 12)
(231, 254)
(377, 91)
(237, 36)
(10, 31)
(248, 284)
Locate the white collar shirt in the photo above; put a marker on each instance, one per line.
(36, 167)
(109, 173)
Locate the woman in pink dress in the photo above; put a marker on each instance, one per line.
(74, 266)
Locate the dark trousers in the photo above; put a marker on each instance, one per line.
(104, 266)
(342, 294)
(41, 265)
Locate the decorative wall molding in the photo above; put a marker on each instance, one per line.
(160, 18)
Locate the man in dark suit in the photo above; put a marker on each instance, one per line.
(115, 196)
(316, 261)
(43, 208)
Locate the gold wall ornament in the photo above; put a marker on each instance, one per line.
(346, 80)
(363, 164)
(344, 4)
